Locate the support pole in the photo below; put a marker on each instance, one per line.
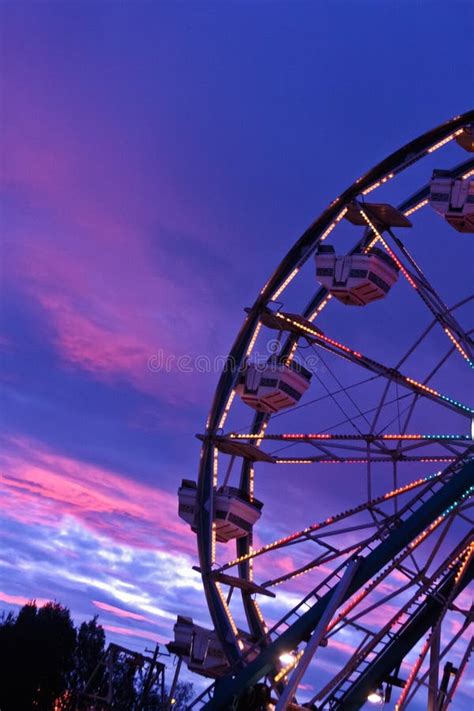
(317, 636)
(174, 682)
(434, 669)
(148, 681)
(457, 675)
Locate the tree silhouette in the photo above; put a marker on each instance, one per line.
(90, 648)
(36, 656)
(46, 664)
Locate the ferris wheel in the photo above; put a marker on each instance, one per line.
(332, 507)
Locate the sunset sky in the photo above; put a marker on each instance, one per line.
(158, 160)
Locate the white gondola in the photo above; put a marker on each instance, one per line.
(272, 386)
(201, 650)
(198, 647)
(356, 279)
(234, 514)
(453, 199)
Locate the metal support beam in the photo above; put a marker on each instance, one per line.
(232, 687)
(318, 634)
(433, 681)
(356, 696)
(174, 682)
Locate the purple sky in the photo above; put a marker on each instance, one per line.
(158, 159)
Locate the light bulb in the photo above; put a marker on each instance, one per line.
(286, 658)
(375, 697)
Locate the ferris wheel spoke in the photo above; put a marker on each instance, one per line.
(439, 365)
(443, 315)
(339, 406)
(326, 451)
(305, 438)
(425, 459)
(321, 398)
(420, 284)
(302, 535)
(404, 448)
(390, 454)
(352, 619)
(402, 360)
(346, 392)
(462, 513)
(323, 559)
(253, 453)
(314, 335)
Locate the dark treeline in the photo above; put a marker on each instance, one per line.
(46, 664)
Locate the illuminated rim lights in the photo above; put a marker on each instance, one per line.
(421, 204)
(391, 253)
(328, 436)
(322, 524)
(446, 140)
(286, 658)
(289, 666)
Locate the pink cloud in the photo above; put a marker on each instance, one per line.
(20, 600)
(128, 632)
(98, 263)
(118, 611)
(379, 616)
(274, 565)
(341, 646)
(109, 318)
(43, 487)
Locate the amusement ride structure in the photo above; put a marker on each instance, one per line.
(341, 426)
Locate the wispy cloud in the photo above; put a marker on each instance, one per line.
(95, 249)
(135, 632)
(118, 611)
(20, 600)
(43, 487)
